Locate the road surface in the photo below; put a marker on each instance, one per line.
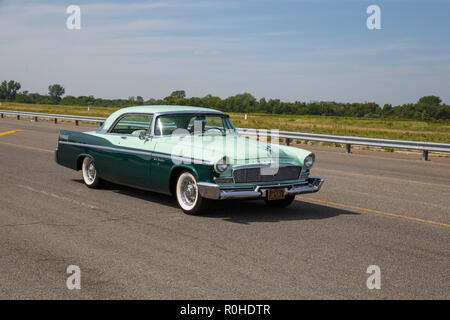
(374, 209)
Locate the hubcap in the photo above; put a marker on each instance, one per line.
(188, 191)
(90, 172)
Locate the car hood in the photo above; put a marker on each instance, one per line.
(238, 149)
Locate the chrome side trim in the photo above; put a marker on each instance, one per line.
(143, 153)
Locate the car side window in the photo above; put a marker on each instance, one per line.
(166, 125)
(132, 124)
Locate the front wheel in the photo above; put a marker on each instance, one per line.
(90, 176)
(280, 203)
(188, 197)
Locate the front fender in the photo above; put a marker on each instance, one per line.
(296, 153)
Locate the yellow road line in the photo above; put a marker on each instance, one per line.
(25, 147)
(381, 177)
(8, 132)
(347, 206)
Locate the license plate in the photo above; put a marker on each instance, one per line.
(276, 194)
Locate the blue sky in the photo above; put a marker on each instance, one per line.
(289, 49)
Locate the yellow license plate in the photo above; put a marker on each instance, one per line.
(276, 194)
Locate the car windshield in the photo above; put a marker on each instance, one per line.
(183, 124)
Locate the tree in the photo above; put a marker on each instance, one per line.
(3, 90)
(179, 94)
(56, 91)
(431, 101)
(176, 97)
(387, 109)
(8, 90)
(13, 87)
(139, 100)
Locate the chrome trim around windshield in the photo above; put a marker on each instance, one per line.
(158, 114)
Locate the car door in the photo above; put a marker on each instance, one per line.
(131, 154)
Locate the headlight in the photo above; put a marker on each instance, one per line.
(309, 161)
(222, 165)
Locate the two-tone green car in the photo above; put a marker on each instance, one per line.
(195, 154)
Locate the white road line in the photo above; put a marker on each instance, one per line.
(50, 194)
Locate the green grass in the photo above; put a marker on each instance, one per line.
(431, 131)
(59, 109)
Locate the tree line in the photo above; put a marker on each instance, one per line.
(427, 108)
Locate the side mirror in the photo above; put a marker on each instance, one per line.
(142, 135)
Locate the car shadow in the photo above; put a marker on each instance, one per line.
(137, 193)
(250, 211)
(239, 211)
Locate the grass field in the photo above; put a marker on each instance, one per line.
(376, 128)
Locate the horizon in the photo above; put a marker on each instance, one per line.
(223, 98)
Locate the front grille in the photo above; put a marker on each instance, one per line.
(265, 174)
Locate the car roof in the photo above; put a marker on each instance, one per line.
(157, 109)
(166, 109)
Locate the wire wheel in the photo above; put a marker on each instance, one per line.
(90, 176)
(187, 191)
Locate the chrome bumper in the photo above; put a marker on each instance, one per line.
(214, 191)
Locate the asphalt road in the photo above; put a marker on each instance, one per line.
(374, 209)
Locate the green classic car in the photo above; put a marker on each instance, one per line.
(193, 153)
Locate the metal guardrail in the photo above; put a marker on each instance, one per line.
(425, 147)
(55, 117)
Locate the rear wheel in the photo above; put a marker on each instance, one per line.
(90, 176)
(188, 197)
(280, 203)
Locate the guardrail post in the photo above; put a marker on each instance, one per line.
(76, 122)
(35, 119)
(1, 115)
(18, 117)
(348, 148)
(288, 141)
(55, 120)
(425, 155)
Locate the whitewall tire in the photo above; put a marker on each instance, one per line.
(90, 176)
(187, 195)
